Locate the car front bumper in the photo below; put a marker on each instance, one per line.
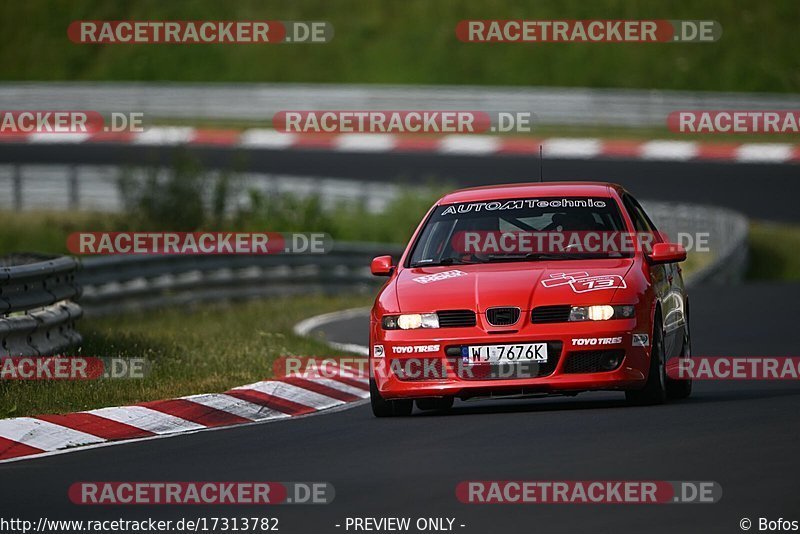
(418, 364)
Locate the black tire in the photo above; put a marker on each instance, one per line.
(387, 408)
(682, 389)
(442, 403)
(655, 390)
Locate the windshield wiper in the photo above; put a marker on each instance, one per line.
(543, 256)
(566, 256)
(443, 261)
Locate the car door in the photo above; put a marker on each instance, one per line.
(666, 280)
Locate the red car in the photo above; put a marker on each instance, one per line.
(529, 290)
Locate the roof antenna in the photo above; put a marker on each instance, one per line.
(541, 177)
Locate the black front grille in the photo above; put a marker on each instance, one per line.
(550, 314)
(456, 318)
(592, 361)
(414, 369)
(502, 316)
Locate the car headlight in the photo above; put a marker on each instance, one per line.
(601, 313)
(410, 321)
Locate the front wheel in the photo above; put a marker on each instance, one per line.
(655, 390)
(387, 408)
(681, 389)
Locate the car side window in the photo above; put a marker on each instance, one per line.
(641, 222)
(645, 216)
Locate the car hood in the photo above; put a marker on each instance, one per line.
(521, 284)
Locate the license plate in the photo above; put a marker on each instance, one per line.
(522, 352)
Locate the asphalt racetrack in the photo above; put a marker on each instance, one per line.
(742, 435)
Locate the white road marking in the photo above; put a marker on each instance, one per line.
(265, 138)
(563, 147)
(670, 150)
(772, 152)
(469, 144)
(63, 137)
(164, 136)
(365, 142)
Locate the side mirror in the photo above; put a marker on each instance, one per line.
(382, 266)
(667, 253)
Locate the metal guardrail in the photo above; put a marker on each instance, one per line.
(259, 102)
(125, 283)
(36, 314)
(727, 230)
(114, 284)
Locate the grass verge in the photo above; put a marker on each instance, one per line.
(204, 350)
(774, 252)
(214, 348)
(414, 42)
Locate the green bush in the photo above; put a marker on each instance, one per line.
(175, 200)
(348, 220)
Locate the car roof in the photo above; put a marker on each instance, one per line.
(533, 190)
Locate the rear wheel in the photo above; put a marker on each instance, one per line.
(387, 408)
(655, 390)
(442, 403)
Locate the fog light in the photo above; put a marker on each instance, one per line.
(611, 361)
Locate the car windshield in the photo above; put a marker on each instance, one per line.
(527, 229)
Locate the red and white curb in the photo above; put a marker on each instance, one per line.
(265, 401)
(464, 144)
